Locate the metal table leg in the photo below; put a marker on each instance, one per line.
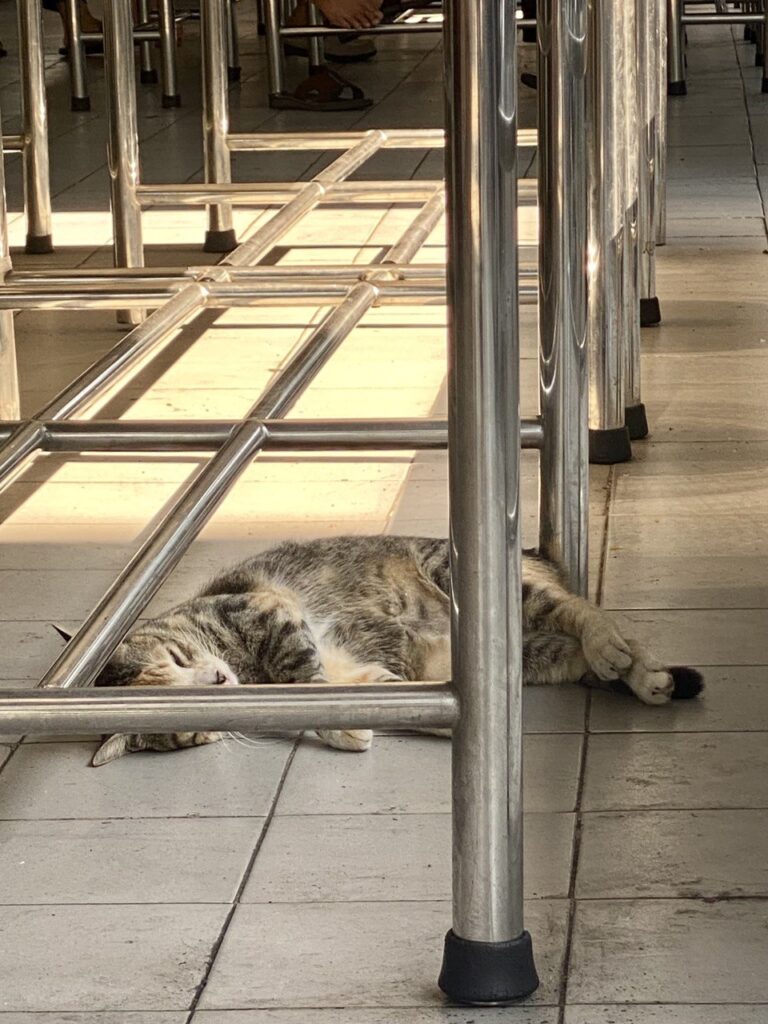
(168, 73)
(34, 116)
(122, 145)
(9, 376)
(77, 73)
(233, 44)
(220, 236)
(633, 83)
(659, 69)
(648, 101)
(675, 49)
(148, 74)
(564, 373)
(488, 956)
(608, 436)
(275, 53)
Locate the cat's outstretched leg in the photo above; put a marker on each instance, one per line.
(357, 740)
(609, 656)
(549, 607)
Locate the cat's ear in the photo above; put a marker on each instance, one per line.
(65, 636)
(117, 745)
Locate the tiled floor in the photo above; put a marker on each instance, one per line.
(277, 881)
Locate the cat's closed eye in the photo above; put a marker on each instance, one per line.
(176, 658)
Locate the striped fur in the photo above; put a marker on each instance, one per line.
(360, 609)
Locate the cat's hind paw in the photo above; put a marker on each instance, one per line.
(347, 739)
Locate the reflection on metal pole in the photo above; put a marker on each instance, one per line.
(564, 380)
(488, 955)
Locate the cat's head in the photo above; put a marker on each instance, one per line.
(156, 654)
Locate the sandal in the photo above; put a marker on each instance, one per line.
(324, 90)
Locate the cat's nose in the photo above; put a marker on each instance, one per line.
(220, 678)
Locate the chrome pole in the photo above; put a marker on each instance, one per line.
(34, 117)
(563, 363)
(233, 44)
(660, 136)
(252, 707)
(9, 375)
(220, 236)
(275, 54)
(608, 435)
(168, 72)
(80, 99)
(284, 435)
(148, 75)
(107, 624)
(633, 83)
(648, 105)
(763, 34)
(488, 956)
(675, 49)
(123, 139)
(316, 49)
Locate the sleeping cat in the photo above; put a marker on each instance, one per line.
(361, 610)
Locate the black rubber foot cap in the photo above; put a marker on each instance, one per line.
(488, 973)
(677, 89)
(39, 245)
(80, 104)
(220, 241)
(650, 312)
(148, 77)
(636, 422)
(171, 101)
(758, 59)
(609, 446)
(234, 74)
(764, 87)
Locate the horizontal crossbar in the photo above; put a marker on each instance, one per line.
(395, 138)
(282, 435)
(224, 708)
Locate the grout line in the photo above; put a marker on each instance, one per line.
(579, 822)
(577, 835)
(751, 138)
(241, 887)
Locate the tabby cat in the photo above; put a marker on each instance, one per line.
(359, 610)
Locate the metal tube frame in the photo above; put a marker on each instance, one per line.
(609, 440)
(34, 139)
(168, 73)
(756, 15)
(488, 955)
(563, 367)
(164, 34)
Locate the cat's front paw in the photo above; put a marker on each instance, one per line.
(607, 652)
(347, 739)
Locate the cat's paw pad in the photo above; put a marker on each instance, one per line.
(608, 654)
(655, 687)
(347, 739)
